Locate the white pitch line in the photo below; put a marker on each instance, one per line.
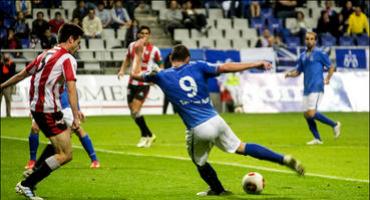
(214, 162)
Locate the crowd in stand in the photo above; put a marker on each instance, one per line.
(95, 15)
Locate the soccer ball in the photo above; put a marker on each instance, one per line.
(253, 183)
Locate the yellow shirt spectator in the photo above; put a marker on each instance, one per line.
(357, 22)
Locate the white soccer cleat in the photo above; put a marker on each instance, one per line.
(294, 164)
(150, 140)
(315, 142)
(336, 130)
(142, 142)
(210, 192)
(26, 191)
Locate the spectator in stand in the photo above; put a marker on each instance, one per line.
(120, 16)
(232, 8)
(13, 42)
(37, 4)
(7, 70)
(358, 23)
(301, 26)
(285, 8)
(131, 5)
(49, 40)
(39, 25)
(255, 9)
(3, 32)
(25, 7)
(103, 14)
(131, 33)
(192, 19)
(56, 23)
(108, 4)
(76, 21)
(21, 28)
(7, 8)
(346, 11)
(325, 25)
(329, 4)
(264, 40)
(173, 18)
(81, 11)
(92, 25)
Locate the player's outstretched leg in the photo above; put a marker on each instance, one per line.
(33, 141)
(209, 175)
(48, 151)
(263, 153)
(309, 116)
(88, 146)
(325, 120)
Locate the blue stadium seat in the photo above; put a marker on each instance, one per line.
(346, 41)
(293, 41)
(257, 22)
(275, 23)
(362, 40)
(328, 40)
(8, 22)
(266, 12)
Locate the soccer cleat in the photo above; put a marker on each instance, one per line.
(294, 164)
(315, 142)
(210, 192)
(26, 191)
(30, 164)
(336, 130)
(95, 164)
(150, 140)
(142, 142)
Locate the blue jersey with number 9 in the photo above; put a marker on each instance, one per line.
(186, 88)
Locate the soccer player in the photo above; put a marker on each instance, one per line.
(138, 90)
(185, 85)
(85, 140)
(312, 62)
(50, 70)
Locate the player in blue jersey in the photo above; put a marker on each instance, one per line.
(185, 85)
(85, 140)
(312, 63)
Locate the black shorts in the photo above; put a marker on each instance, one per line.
(138, 92)
(50, 124)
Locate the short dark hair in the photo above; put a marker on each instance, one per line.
(179, 53)
(58, 13)
(40, 12)
(144, 27)
(67, 30)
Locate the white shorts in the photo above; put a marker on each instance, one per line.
(201, 139)
(312, 100)
(68, 116)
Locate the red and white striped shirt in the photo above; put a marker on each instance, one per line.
(49, 72)
(151, 58)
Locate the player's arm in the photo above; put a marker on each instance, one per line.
(15, 79)
(136, 72)
(73, 102)
(330, 74)
(237, 67)
(124, 66)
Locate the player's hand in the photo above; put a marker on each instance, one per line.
(120, 75)
(75, 124)
(287, 75)
(266, 65)
(81, 116)
(139, 46)
(326, 81)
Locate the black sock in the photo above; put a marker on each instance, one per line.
(40, 173)
(48, 151)
(209, 175)
(145, 132)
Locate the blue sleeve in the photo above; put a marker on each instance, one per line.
(150, 76)
(209, 69)
(324, 59)
(300, 65)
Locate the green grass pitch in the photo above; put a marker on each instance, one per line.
(339, 169)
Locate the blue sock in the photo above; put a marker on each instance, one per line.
(313, 128)
(322, 118)
(33, 141)
(263, 153)
(87, 144)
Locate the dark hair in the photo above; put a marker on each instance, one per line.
(179, 53)
(58, 13)
(144, 27)
(67, 30)
(40, 12)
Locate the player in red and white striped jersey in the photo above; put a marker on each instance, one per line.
(137, 90)
(49, 71)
